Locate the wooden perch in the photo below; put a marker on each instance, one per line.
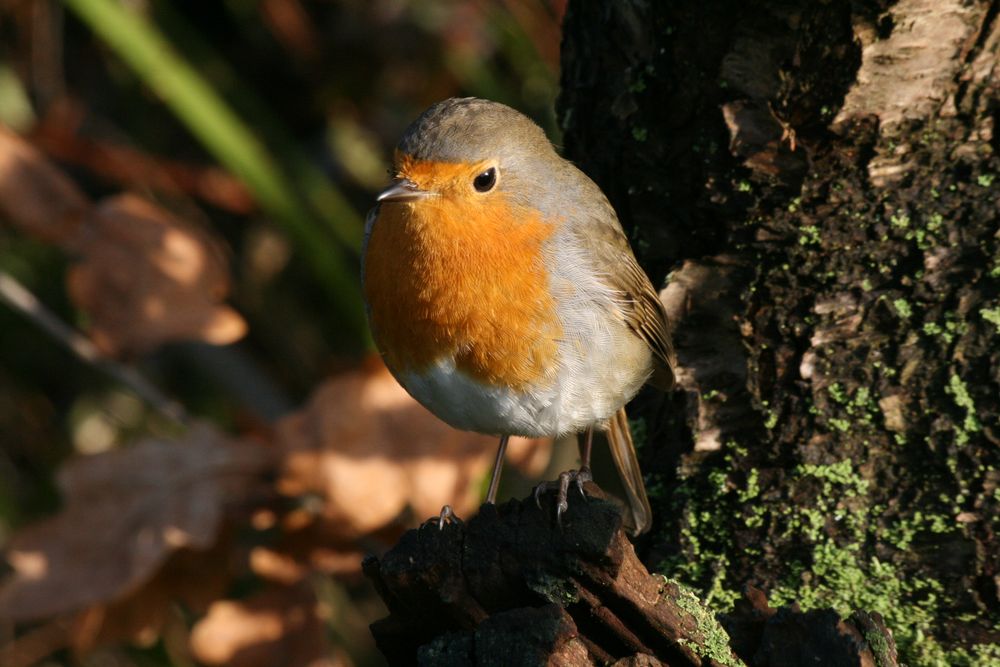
(511, 587)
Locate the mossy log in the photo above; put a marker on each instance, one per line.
(513, 587)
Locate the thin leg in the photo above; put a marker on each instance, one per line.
(448, 515)
(585, 446)
(584, 474)
(491, 495)
(576, 477)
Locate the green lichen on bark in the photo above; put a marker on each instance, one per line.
(715, 639)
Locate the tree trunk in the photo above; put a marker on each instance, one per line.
(822, 181)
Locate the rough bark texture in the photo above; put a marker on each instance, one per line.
(822, 181)
(512, 587)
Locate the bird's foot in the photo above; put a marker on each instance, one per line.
(447, 516)
(561, 486)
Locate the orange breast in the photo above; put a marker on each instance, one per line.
(462, 277)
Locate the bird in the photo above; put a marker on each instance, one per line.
(503, 294)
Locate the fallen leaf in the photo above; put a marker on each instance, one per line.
(369, 451)
(309, 544)
(35, 196)
(125, 512)
(146, 278)
(58, 133)
(194, 579)
(279, 626)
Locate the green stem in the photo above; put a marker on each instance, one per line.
(143, 48)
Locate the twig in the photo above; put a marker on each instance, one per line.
(17, 296)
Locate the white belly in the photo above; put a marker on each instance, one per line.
(600, 366)
(468, 404)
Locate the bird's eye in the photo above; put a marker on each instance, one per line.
(485, 181)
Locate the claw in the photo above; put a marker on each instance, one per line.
(582, 476)
(562, 502)
(577, 477)
(447, 516)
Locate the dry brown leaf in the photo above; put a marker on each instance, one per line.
(125, 512)
(35, 196)
(146, 278)
(369, 451)
(309, 545)
(279, 626)
(195, 579)
(58, 134)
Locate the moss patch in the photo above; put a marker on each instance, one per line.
(716, 640)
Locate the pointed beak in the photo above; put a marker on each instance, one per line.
(402, 190)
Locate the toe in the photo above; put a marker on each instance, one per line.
(447, 513)
(562, 506)
(539, 490)
(446, 516)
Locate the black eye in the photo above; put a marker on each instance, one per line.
(485, 181)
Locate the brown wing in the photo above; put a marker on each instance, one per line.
(642, 308)
(640, 516)
(647, 317)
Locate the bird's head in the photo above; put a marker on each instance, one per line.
(473, 154)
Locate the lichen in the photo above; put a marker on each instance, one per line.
(715, 639)
(834, 571)
(960, 394)
(900, 221)
(992, 315)
(879, 647)
(841, 474)
(809, 235)
(903, 308)
(752, 489)
(560, 590)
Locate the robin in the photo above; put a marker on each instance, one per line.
(503, 294)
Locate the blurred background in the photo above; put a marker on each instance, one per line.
(196, 445)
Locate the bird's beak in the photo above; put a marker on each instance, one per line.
(402, 190)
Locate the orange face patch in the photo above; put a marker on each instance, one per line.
(461, 273)
(445, 178)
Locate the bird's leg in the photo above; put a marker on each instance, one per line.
(577, 477)
(583, 474)
(491, 495)
(448, 514)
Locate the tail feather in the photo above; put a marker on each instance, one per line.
(623, 452)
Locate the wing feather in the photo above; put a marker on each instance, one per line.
(640, 305)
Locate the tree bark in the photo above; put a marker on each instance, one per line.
(821, 179)
(516, 587)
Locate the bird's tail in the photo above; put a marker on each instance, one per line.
(623, 452)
